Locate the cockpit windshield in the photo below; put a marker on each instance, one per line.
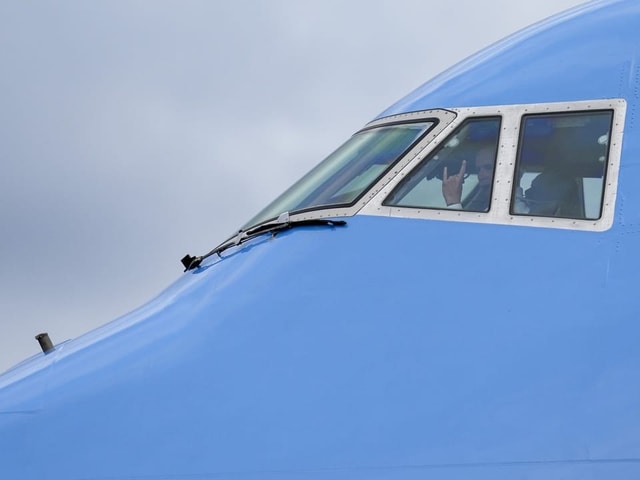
(348, 172)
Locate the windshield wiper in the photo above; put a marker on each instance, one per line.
(282, 223)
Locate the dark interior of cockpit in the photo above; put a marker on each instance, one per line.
(561, 164)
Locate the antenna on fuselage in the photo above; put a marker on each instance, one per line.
(45, 342)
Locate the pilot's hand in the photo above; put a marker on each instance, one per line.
(452, 186)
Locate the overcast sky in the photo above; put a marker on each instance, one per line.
(134, 132)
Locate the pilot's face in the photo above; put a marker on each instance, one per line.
(484, 164)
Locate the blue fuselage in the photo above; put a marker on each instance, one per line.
(390, 347)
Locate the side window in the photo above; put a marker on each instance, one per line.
(458, 174)
(561, 165)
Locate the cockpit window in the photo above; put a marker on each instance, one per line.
(348, 172)
(561, 165)
(458, 174)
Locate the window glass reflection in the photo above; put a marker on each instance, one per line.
(347, 173)
(561, 165)
(457, 175)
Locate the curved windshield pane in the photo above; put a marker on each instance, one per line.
(348, 172)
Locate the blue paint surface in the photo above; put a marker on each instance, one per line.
(389, 348)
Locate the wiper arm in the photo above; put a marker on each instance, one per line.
(282, 223)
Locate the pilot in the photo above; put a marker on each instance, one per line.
(549, 193)
(481, 196)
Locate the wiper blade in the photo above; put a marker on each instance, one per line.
(282, 223)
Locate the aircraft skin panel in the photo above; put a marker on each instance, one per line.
(421, 369)
(393, 346)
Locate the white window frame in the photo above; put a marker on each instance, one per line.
(505, 169)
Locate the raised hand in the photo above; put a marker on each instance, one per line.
(452, 185)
